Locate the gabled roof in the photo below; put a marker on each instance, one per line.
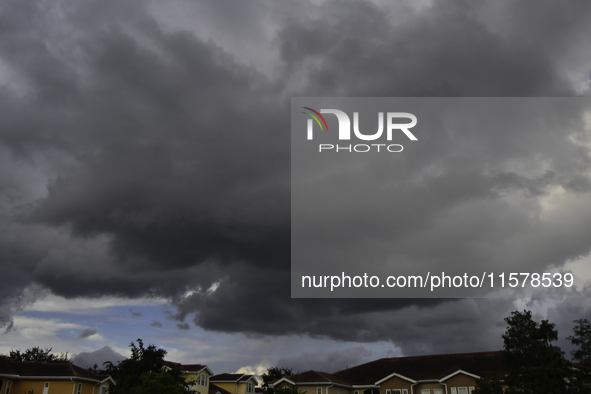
(226, 377)
(215, 389)
(413, 369)
(313, 377)
(188, 367)
(233, 378)
(34, 369)
(442, 366)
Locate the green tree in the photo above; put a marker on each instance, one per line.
(582, 354)
(532, 364)
(488, 384)
(582, 340)
(144, 372)
(38, 354)
(273, 374)
(157, 383)
(290, 390)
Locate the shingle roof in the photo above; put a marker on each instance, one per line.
(214, 389)
(193, 367)
(423, 367)
(415, 368)
(316, 377)
(234, 377)
(186, 367)
(33, 368)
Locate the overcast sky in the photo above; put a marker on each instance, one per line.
(145, 170)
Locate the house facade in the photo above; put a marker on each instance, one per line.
(198, 374)
(235, 383)
(50, 378)
(435, 374)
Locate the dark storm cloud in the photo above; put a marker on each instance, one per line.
(445, 50)
(328, 361)
(87, 332)
(154, 163)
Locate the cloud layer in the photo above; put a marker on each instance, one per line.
(145, 155)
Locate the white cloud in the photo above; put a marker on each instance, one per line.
(53, 303)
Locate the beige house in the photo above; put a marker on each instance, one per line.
(235, 383)
(50, 378)
(198, 374)
(436, 374)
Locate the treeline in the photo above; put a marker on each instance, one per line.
(143, 373)
(533, 364)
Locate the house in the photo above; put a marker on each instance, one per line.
(50, 378)
(215, 389)
(198, 374)
(435, 374)
(235, 383)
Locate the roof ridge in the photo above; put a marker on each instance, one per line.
(420, 356)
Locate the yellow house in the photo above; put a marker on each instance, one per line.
(436, 374)
(197, 374)
(50, 378)
(235, 383)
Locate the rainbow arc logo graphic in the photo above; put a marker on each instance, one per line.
(316, 118)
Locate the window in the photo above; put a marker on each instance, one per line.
(319, 390)
(249, 387)
(396, 391)
(462, 390)
(356, 392)
(404, 391)
(425, 391)
(388, 391)
(437, 391)
(470, 389)
(8, 385)
(453, 390)
(79, 388)
(104, 390)
(338, 391)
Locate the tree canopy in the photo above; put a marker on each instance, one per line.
(582, 353)
(272, 374)
(38, 354)
(532, 364)
(145, 372)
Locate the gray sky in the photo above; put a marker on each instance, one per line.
(145, 169)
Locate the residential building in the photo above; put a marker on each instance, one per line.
(235, 383)
(198, 374)
(214, 389)
(20, 377)
(434, 374)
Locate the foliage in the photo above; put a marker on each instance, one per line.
(582, 354)
(582, 339)
(157, 383)
(273, 374)
(38, 354)
(532, 364)
(488, 385)
(144, 372)
(289, 390)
